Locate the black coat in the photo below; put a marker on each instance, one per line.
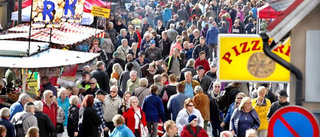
(102, 79)
(115, 60)
(193, 71)
(90, 122)
(73, 119)
(46, 128)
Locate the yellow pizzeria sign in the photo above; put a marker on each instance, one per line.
(241, 58)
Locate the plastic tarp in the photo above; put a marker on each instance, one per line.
(44, 59)
(267, 11)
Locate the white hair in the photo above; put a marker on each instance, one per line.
(143, 82)
(133, 72)
(23, 96)
(186, 73)
(116, 87)
(133, 98)
(5, 112)
(74, 100)
(45, 93)
(251, 131)
(38, 105)
(198, 89)
(61, 90)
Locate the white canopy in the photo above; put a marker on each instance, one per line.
(45, 59)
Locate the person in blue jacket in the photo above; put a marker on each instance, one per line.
(153, 108)
(166, 15)
(63, 102)
(121, 129)
(212, 39)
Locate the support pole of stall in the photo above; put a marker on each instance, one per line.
(29, 40)
(19, 11)
(24, 80)
(50, 35)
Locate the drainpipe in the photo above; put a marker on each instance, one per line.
(287, 65)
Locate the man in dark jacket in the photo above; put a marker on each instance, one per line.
(5, 115)
(212, 39)
(165, 44)
(153, 53)
(115, 60)
(203, 79)
(201, 47)
(189, 67)
(93, 88)
(46, 84)
(183, 13)
(101, 76)
(46, 128)
(125, 76)
(282, 102)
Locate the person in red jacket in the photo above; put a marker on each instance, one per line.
(49, 106)
(201, 60)
(192, 129)
(134, 116)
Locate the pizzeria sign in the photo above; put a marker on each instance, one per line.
(241, 58)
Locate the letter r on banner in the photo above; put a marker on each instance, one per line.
(47, 11)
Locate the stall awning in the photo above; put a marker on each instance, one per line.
(67, 34)
(45, 59)
(267, 11)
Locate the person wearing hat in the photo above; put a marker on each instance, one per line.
(201, 60)
(212, 73)
(27, 116)
(282, 102)
(193, 129)
(98, 105)
(201, 47)
(203, 79)
(153, 53)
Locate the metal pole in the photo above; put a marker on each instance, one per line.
(24, 80)
(50, 35)
(29, 40)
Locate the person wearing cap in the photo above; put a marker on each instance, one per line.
(262, 106)
(174, 62)
(123, 49)
(193, 129)
(101, 76)
(153, 53)
(201, 47)
(98, 105)
(212, 73)
(282, 102)
(203, 79)
(27, 116)
(85, 82)
(201, 60)
(142, 60)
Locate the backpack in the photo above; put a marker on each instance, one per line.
(19, 127)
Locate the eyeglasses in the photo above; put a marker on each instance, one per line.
(51, 96)
(113, 91)
(190, 105)
(239, 98)
(92, 83)
(217, 86)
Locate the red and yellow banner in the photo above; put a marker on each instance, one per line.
(241, 58)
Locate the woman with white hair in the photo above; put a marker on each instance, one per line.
(46, 128)
(73, 116)
(121, 129)
(262, 106)
(142, 91)
(63, 102)
(244, 118)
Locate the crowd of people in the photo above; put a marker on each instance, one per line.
(157, 64)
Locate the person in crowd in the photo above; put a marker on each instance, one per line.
(160, 28)
(212, 39)
(116, 71)
(123, 49)
(132, 35)
(4, 121)
(167, 91)
(136, 66)
(141, 59)
(49, 106)
(172, 33)
(93, 87)
(33, 132)
(165, 44)
(46, 128)
(231, 91)
(153, 53)
(151, 69)
(88, 118)
(282, 102)
(101, 76)
(121, 129)
(166, 14)
(201, 60)
(189, 67)
(3, 131)
(176, 102)
(196, 39)
(244, 118)
(134, 50)
(223, 29)
(175, 64)
(142, 91)
(171, 129)
(164, 78)
(231, 109)
(85, 82)
(123, 34)
(202, 103)
(193, 128)
(136, 21)
(107, 46)
(133, 82)
(63, 102)
(10, 77)
(125, 103)
(111, 105)
(115, 60)
(145, 25)
(73, 116)
(212, 73)
(27, 116)
(189, 84)
(47, 85)
(183, 13)
(262, 106)
(95, 46)
(180, 28)
(188, 110)
(205, 30)
(250, 28)
(269, 94)
(146, 41)
(135, 118)
(153, 107)
(158, 81)
(125, 76)
(138, 30)
(112, 32)
(19, 105)
(203, 79)
(98, 105)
